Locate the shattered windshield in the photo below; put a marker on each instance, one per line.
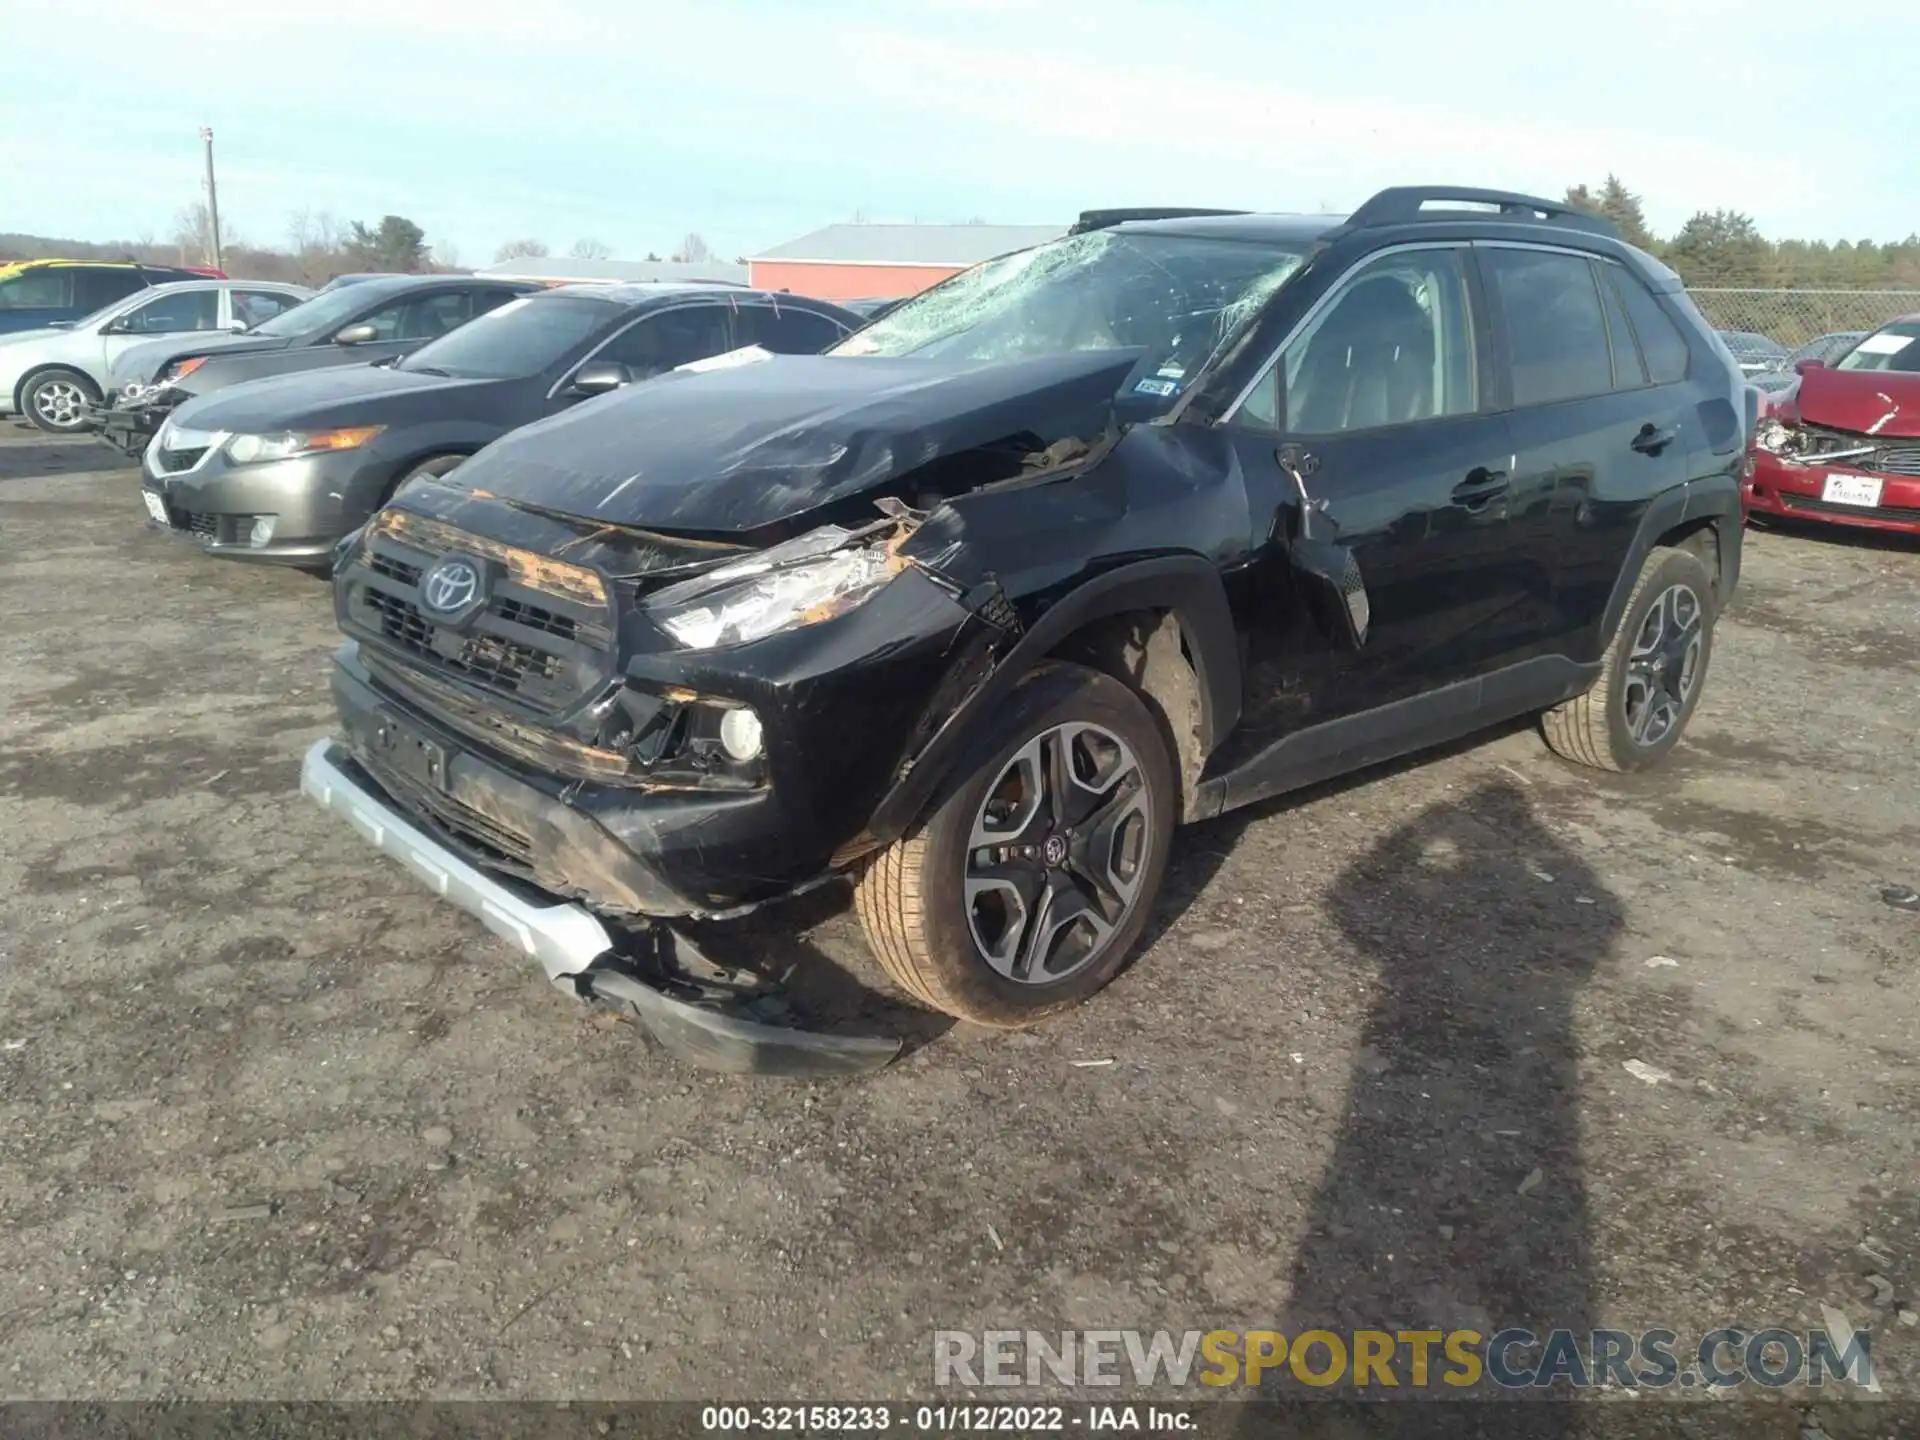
(1897, 347)
(1177, 297)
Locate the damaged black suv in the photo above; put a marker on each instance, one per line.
(1173, 514)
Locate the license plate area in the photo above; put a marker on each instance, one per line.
(1863, 490)
(156, 507)
(406, 755)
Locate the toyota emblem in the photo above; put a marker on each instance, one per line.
(450, 587)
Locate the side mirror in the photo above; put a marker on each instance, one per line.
(1801, 367)
(1336, 592)
(599, 377)
(1335, 589)
(356, 335)
(238, 326)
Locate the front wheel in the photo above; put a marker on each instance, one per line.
(1652, 676)
(57, 400)
(1025, 886)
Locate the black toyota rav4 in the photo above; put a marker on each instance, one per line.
(1173, 514)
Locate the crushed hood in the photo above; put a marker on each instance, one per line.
(1866, 402)
(141, 362)
(734, 449)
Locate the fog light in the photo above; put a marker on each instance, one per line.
(262, 531)
(741, 735)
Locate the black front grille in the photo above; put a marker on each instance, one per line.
(545, 648)
(499, 664)
(489, 839)
(1905, 514)
(207, 527)
(535, 617)
(394, 569)
(172, 462)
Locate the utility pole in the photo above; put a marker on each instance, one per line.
(213, 196)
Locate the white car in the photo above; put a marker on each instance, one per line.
(53, 376)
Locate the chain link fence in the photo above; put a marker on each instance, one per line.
(1793, 317)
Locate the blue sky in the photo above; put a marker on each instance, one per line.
(752, 121)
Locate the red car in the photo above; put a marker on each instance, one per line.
(1843, 444)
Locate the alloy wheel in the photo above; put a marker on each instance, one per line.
(1057, 853)
(1664, 665)
(60, 403)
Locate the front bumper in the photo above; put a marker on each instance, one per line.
(1798, 492)
(312, 502)
(577, 952)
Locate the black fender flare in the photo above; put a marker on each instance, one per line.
(1715, 499)
(1186, 586)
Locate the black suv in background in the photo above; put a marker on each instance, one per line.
(376, 318)
(38, 294)
(280, 469)
(1159, 519)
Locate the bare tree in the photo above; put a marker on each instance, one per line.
(193, 234)
(446, 255)
(521, 249)
(693, 250)
(315, 240)
(587, 248)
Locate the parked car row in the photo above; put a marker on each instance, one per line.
(280, 466)
(664, 603)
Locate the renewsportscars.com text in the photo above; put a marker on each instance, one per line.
(1445, 1360)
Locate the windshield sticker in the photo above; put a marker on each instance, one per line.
(1172, 372)
(1887, 344)
(1152, 386)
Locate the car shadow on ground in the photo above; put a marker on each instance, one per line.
(1454, 1197)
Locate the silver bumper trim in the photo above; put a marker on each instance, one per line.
(565, 939)
(576, 951)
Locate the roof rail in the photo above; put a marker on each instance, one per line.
(1406, 204)
(1104, 219)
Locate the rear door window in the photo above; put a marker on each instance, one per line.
(1629, 371)
(1555, 328)
(1661, 344)
(785, 329)
(257, 306)
(43, 289)
(672, 337)
(96, 288)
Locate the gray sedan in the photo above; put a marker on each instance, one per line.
(52, 376)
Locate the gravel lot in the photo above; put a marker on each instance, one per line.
(274, 1123)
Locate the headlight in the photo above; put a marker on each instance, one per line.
(782, 589)
(248, 449)
(179, 370)
(1776, 437)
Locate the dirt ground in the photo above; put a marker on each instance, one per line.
(275, 1123)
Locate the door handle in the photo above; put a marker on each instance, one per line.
(1652, 440)
(1480, 488)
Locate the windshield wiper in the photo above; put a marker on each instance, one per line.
(429, 370)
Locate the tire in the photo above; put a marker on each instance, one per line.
(54, 400)
(953, 924)
(1636, 712)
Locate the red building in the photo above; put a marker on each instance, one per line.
(883, 262)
